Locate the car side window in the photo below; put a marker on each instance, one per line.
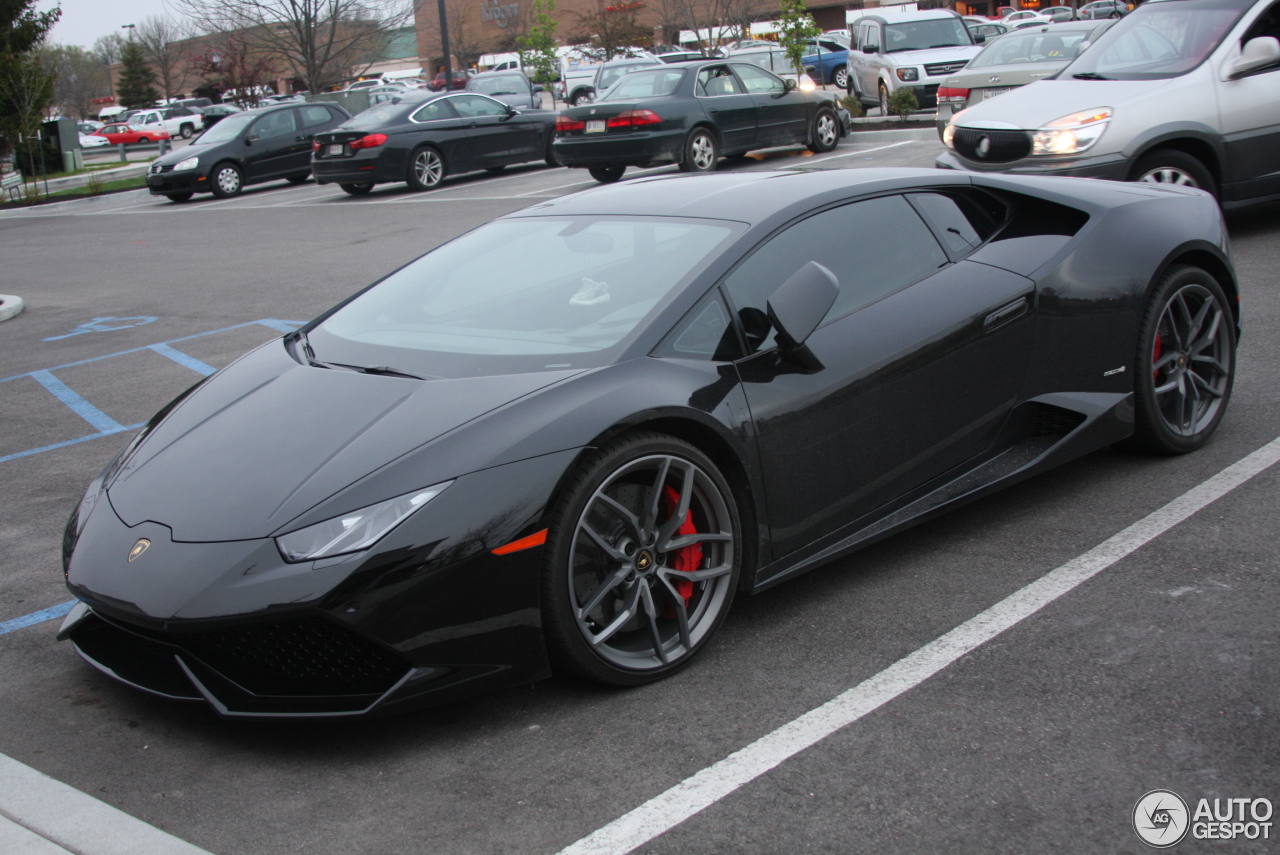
(314, 115)
(717, 80)
(904, 252)
(962, 223)
(704, 333)
(273, 125)
(473, 106)
(1268, 24)
(758, 81)
(433, 111)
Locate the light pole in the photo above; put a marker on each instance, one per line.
(128, 27)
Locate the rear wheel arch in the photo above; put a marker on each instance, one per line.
(1210, 262)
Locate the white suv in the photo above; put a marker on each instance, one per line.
(893, 50)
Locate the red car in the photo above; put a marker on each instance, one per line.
(119, 133)
(460, 79)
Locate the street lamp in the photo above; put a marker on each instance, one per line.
(128, 27)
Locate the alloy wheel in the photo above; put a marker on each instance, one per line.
(827, 130)
(651, 562)
(702, 150)
(1169, 175)
(841, 78)
(1191, 360)
(428, 168)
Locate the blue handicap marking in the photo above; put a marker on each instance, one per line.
(105, 325)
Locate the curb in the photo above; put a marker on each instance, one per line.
(10, 306)
(894, 135)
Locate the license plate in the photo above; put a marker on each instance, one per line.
(595, 126)
(335, 150)
(999, 90)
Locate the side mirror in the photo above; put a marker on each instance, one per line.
(538, 89)
(249, 140)
(789, 85)
(798, 306)
(1258, 52)
(979, 39)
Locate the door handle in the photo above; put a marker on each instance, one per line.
(1005, 313)
(306, 138)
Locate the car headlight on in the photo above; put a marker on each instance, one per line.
(806, 84)
(949, 135)
(908, 74)
(1071, 134)
(354, 531)
(189, 163)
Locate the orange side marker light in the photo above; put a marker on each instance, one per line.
(536, 539)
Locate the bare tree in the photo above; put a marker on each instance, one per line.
(160, 39)
(323, 42)
(109, 48)
(79, 77)
(610, 30)
(232, 68)
(467, 37)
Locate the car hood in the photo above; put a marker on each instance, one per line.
(931, 55)
(267, 438)
(1018, 74)
(1036, 106)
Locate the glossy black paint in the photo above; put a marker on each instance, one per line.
(998, 365)
(742, 121)
(465, 142)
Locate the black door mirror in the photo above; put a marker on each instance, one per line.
(249, 140)
(789, 85)
(979, 39)
(798, 306)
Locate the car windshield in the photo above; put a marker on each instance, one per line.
(523, 294)
(506, 84)
(610, 75)
(1052, 46)
(228, 129)
(1158, 40)
(921, 35)
(645, 84)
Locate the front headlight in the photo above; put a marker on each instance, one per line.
(189, 163)
(805, 84)
(1071, 134)
(949, 135)
(354, 531)
(908, 74)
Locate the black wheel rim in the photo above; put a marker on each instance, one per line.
(1191, 360)
(651, 562)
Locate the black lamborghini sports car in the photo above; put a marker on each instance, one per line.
(568, 438)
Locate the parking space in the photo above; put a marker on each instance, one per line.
(1157, 672)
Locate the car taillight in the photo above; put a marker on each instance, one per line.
(564, 124)
(634, 118)
(315, 146)
(947, 93)
(368, 141)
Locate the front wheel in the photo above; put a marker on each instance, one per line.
(180, 197)
(841, 78)
(1185, 362)
(826, 132)
(884, 100)
(701, 152)
(426, 169)
(1168, 166)
(356, 189)
(642, 560)
(227, 181)
(607, 174)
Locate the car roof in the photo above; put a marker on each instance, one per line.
(903, 17)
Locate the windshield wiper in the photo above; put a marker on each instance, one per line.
(1090, 75)
(381, 370)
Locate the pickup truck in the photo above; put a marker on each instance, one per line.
(178, 121)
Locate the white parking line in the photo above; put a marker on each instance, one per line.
(713, 783)
(864, 151)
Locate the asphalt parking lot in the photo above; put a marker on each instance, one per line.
(1158, 672)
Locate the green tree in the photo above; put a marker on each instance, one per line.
(137, 79)
(795, 28)
(538, 46)
(26, 86)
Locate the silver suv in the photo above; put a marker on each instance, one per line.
(1178, 91)
(918, 50)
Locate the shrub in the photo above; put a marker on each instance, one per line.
(853, 105)
(903, 102)
(94, 186)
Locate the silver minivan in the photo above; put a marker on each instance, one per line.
(1178, 91)
(916, 50)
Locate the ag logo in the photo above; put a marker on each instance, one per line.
(995, 78)
(139, 548)
(1161, 819)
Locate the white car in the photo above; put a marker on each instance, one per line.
(178, 121)
(87, 141)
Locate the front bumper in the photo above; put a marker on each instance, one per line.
(1112, 167)
(624, 149)
(187, 181)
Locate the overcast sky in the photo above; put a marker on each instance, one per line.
(83, 21)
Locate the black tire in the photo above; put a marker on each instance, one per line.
(1167, 166)
(356, 189)
(825, 132)
(580, 98)
(701, 151)
(1185, 363)
(426, 169)
(226, 180)
(180, 197)
(550, 156)
(598, 621)
(301, 178)
(840, 78)
(144, 139)
(884, 100)
(186, 131)
(606, 174)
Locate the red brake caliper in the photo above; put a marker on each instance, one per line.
(687, 558)
(1155, 354)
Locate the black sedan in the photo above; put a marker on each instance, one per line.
(692, 115)
(569, 438)
(427, 136)
(266, 144)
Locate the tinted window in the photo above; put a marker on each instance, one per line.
(1266, 25)
(433, 111)
(273, 125)
(312, 116)
(503, 84)
(611, 74)
(759, 81)
(962, 222)
(716, 81)
(645, 84)
(473, 106)
(874, 248)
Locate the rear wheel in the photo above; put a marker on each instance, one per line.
(607, 174)
(356, 189)
(1167, 166)
(701, 152)
(642, 560)
(1185, 363)
(841, 78)
(186, 131)
(826, 132)
(226, 180)
(426, 169)
(144, 139)
(550, 155)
